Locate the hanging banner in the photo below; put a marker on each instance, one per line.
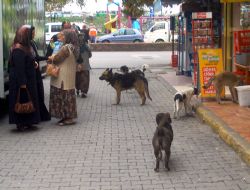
(210, 63)
(233, 1)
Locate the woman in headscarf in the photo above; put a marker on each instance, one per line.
(44, 114)
(22, 76)
(83, 68)
(62, 88)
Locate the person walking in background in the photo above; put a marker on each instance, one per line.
(23, 79)
(62, 104)
(44, 114)
(83, 68)
(85, 32)
(92, 34)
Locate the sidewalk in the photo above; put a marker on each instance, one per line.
(229, 120)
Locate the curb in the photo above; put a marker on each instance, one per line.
(233, 139)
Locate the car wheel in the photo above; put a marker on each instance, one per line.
(105, 41)
(136, 41)
(159, 41)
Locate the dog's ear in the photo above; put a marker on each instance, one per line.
(110, 70)
(158, 118)
(107, 69)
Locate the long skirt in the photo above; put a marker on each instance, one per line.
(62, 103)
(82, 81)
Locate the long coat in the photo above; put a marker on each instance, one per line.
(22, 72)
(44, 113)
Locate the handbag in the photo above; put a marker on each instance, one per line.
(27, 107)
(52, 70)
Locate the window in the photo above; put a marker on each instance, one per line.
(122, 31)
(55, 28)
(130, 32)
(158, 26)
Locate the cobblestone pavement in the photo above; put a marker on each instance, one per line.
(110, 148)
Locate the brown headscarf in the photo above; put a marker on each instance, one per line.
(22, 39)
(70, 37)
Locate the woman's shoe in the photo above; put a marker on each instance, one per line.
(69, 122)
(20, 127)
(83, 95)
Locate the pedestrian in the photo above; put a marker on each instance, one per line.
(44, 114)
(53, 40)
(62, 104)
(23, 79)
(83, 68)
(85, 31)
(92, 34)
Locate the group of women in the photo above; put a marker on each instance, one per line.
(26, 80)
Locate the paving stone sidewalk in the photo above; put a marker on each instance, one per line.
(110, 148)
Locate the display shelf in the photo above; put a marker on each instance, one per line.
(202, 36)
(242, 54)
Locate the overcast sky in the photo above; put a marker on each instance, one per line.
(101, 5)
(92, 6)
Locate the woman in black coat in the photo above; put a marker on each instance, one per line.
(44, 113)
(22, 76)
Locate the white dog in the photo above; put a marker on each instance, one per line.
(183, 99)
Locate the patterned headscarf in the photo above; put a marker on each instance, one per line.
(70, 37)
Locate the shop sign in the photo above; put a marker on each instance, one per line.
(201, 15)
(233, 1)
(210, 63)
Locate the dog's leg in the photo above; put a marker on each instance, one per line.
(174, 109)
(218, 92)
(142, 95)
(167, 156)
(233, 94)
(156, 152)
(185, 107)
(178, 108)
(118, 96)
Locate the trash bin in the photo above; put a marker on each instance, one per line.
(174, 60)
(244, 95)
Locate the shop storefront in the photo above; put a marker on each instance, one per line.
(200, 25)
(236, 37)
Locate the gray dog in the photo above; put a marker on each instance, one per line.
(162, 139)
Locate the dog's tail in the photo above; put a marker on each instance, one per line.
(209, 82)
(146, 87)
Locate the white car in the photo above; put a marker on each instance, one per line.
(51, 29)
(159, 32)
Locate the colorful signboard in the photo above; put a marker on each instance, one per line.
(201, 15)
(210, 63)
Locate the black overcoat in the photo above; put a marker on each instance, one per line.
(22, 72)
(44, 113)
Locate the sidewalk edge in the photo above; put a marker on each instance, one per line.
(233, 139)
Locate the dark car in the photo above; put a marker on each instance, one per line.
(122, 35)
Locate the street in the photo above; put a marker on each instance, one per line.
(131, 59)
(110, 146)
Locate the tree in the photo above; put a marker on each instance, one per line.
(135, 8)
(51, 5)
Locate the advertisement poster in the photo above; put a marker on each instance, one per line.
(210, 63)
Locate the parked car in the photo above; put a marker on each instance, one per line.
(122, 35)
(159, 32)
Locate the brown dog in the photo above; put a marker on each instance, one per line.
(162, 139)
(126, 81)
